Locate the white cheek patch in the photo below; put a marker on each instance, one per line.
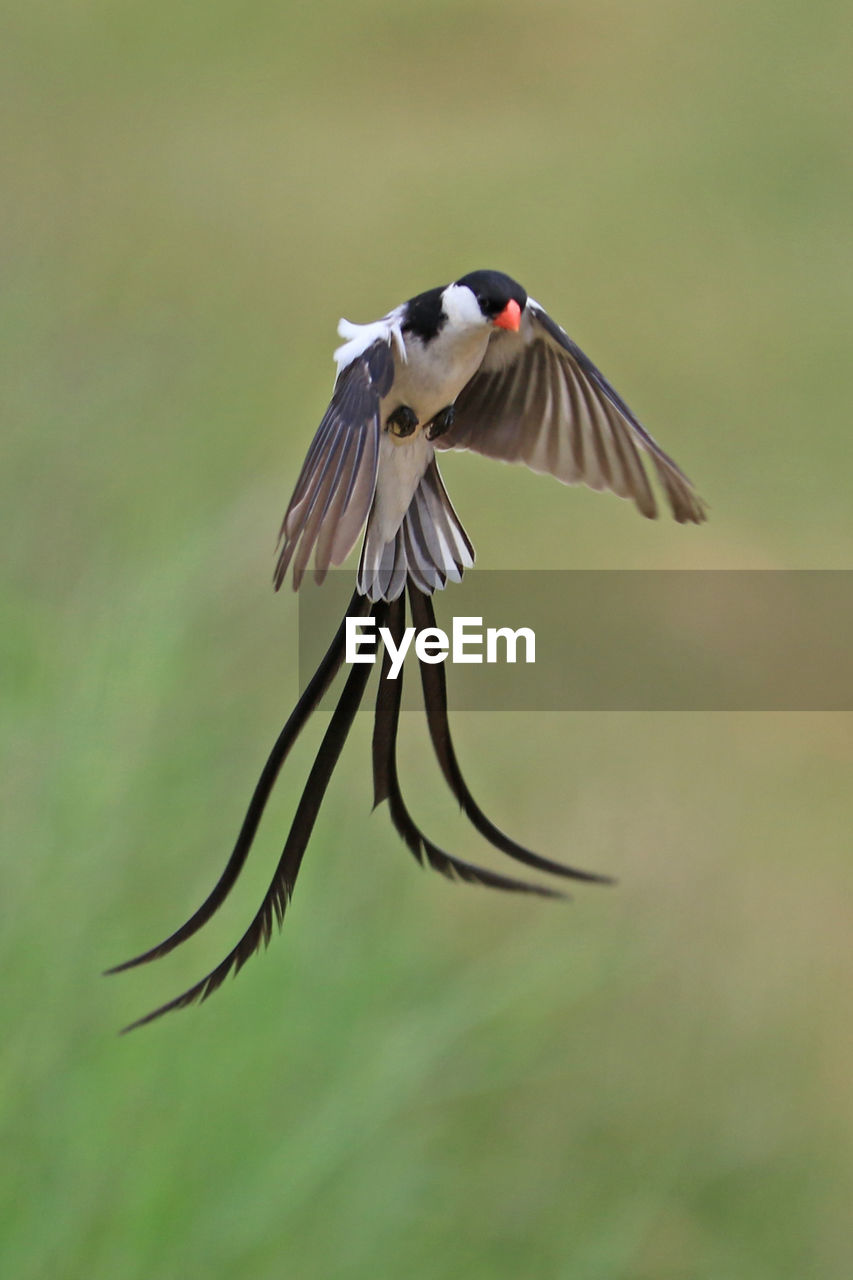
(462, 308)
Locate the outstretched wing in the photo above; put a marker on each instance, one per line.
(537, 399)
(335, 488)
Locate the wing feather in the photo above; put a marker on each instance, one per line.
(334, 491)
(539, 400)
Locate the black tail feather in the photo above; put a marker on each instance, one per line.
(282, 885)
(386, 787)
(386, 784)
(435, 701)
(307, 704)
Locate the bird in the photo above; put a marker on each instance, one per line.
(475, 365)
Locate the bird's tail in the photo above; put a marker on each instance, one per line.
(386, 787)
(430, 548)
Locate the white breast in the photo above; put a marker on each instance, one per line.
(435, 372)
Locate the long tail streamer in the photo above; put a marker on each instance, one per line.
(386, 784)
(386, 787)
(317, 686)
(434, 686)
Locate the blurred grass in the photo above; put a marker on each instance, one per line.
(418, 1079)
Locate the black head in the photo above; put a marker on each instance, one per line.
(493, 290)
(480, 297)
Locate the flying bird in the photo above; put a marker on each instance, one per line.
(479, 365)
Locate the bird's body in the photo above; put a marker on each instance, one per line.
(436, 365)
(476, 365)
(430, 370)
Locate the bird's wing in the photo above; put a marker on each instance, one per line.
(537, 399)
(335, 488)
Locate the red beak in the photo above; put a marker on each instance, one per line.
(509, 318)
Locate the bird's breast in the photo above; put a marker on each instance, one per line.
(435, 372)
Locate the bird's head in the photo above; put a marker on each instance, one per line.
(485, 298)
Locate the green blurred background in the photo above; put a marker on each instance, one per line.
(418, 1079)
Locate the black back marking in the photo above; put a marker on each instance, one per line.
(424, 315)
